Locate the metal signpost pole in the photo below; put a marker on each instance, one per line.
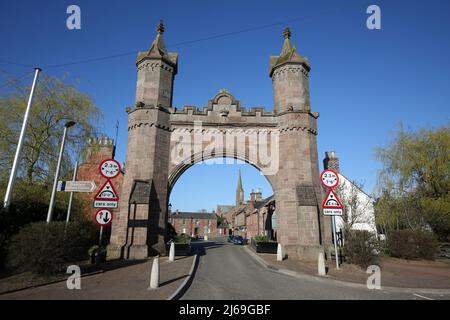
(71, 194)
(16, 162)
(335, 242)
(100, 237)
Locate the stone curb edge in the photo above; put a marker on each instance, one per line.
(328, 280)
(49, 283)
(187, 282)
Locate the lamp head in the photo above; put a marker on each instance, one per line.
(69, 124)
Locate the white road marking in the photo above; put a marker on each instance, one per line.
(423, 297)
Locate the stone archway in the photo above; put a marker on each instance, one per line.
(164, 141)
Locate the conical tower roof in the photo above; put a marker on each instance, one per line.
(288, 54)
(158, 49)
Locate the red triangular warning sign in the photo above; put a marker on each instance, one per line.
(332, 201)
(107, 192)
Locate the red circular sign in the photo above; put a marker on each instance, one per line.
(103, 217)
(109, 168)
(329, 178)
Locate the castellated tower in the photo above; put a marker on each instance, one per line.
(142, 219)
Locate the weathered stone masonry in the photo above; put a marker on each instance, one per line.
(139, 228)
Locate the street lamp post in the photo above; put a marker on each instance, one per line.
(58, 166)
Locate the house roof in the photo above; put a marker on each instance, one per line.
(349, 181)
(193, 215)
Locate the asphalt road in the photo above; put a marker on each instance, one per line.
(228, 272)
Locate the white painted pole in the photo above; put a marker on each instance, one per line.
(71, 194)
(172, 251)
(154, 275)
(335, 242)
(12, 177)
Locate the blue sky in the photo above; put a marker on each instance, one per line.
(364, 83)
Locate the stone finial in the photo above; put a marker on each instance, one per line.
(287, 33)
(160, 28)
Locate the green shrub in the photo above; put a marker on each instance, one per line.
(182, 239)
(262, 238)
(46, 248)
(360, 248)
(411, 244)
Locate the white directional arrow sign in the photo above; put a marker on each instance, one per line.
(76, 186)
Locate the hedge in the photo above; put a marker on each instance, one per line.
(47, 248)
(411, 244)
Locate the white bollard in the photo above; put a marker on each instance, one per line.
(280, 253)
(154, 276)
(172, 251)
(321, 264)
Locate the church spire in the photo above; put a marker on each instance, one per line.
(239, 191)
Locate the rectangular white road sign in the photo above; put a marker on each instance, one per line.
(332, 212)
(106, 204)
(76, 186)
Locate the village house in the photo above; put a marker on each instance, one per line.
(195, 224)
(358, 205)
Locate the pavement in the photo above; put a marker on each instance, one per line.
(230, 272)
(222, 271)
(117, 282)
(395, 273)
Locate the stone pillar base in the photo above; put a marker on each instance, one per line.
(136, 251)
(305, 253)
(114, 251)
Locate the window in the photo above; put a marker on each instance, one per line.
(184, 221)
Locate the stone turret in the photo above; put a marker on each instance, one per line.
(156, 72)
(289, 72)
(144, 190)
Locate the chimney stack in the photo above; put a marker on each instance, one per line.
(331, 162)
